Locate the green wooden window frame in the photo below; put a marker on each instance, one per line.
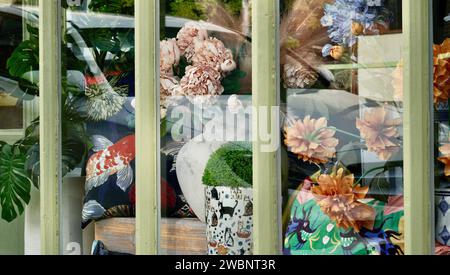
(267, 240)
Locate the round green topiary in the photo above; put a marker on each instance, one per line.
(230, 166)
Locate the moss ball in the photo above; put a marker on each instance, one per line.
(230, 165)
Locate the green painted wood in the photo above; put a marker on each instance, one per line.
(147, 127)
(49, 86)
(417, 127)
(265, 162)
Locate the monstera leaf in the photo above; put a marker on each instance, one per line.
(15, 185)
(103, 39)
(73, 149)
(25, 57)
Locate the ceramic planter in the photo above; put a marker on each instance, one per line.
(229, 219)
(443, 217)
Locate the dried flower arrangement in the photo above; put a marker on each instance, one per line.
(194, 65)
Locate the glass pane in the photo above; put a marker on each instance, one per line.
(342, 167)
(12, 34)
(19, 123)
(206, 157)
(441, 70)
(98, 114)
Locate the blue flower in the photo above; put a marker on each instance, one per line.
(326, 20)
(339, 17)
(326, 50)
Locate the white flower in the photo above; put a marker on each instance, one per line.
(234, 104)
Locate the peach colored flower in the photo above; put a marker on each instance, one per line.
(201, 84)
(169, 56)
(445, 159)
(191, 32)
(441, 72)
(337, 52)
(339, 199)
(213, 53)
(357, 28)
(380, 131)
(311, 140)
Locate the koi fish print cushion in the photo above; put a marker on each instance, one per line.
(110, 173)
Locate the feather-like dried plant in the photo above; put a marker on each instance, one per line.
(234, 32)
(302, 37)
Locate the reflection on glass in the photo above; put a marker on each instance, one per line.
(98, 114)
(206, 157)
(441, 90)
(342, 168)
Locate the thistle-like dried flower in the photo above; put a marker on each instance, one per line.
(191, 32)
(339, 199)
(105, 100)
(445, 159)
(169, 56)
(201, 84)
(379, 128)
(298, 76)
(213, 53)
(441, 72)
(312, 140)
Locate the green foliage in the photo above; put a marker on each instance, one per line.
(191, 9)
(15, 185)
(113, 6)
(25, 57)
(197, 9)
(230, 166)
(234, 7)
(73, 152)
(232, 82)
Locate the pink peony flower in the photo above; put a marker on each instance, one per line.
(168, 89)
(201, 84)
(213, 53)
(169, 56)
(191, 32)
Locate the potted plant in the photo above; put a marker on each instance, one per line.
(229, 200)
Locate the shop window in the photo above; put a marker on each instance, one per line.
(342, 167)
(19, 126)
(440, 95)
(206, 153)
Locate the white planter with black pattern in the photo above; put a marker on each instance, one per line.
(229, 219)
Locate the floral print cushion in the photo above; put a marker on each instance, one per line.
(311, 232)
